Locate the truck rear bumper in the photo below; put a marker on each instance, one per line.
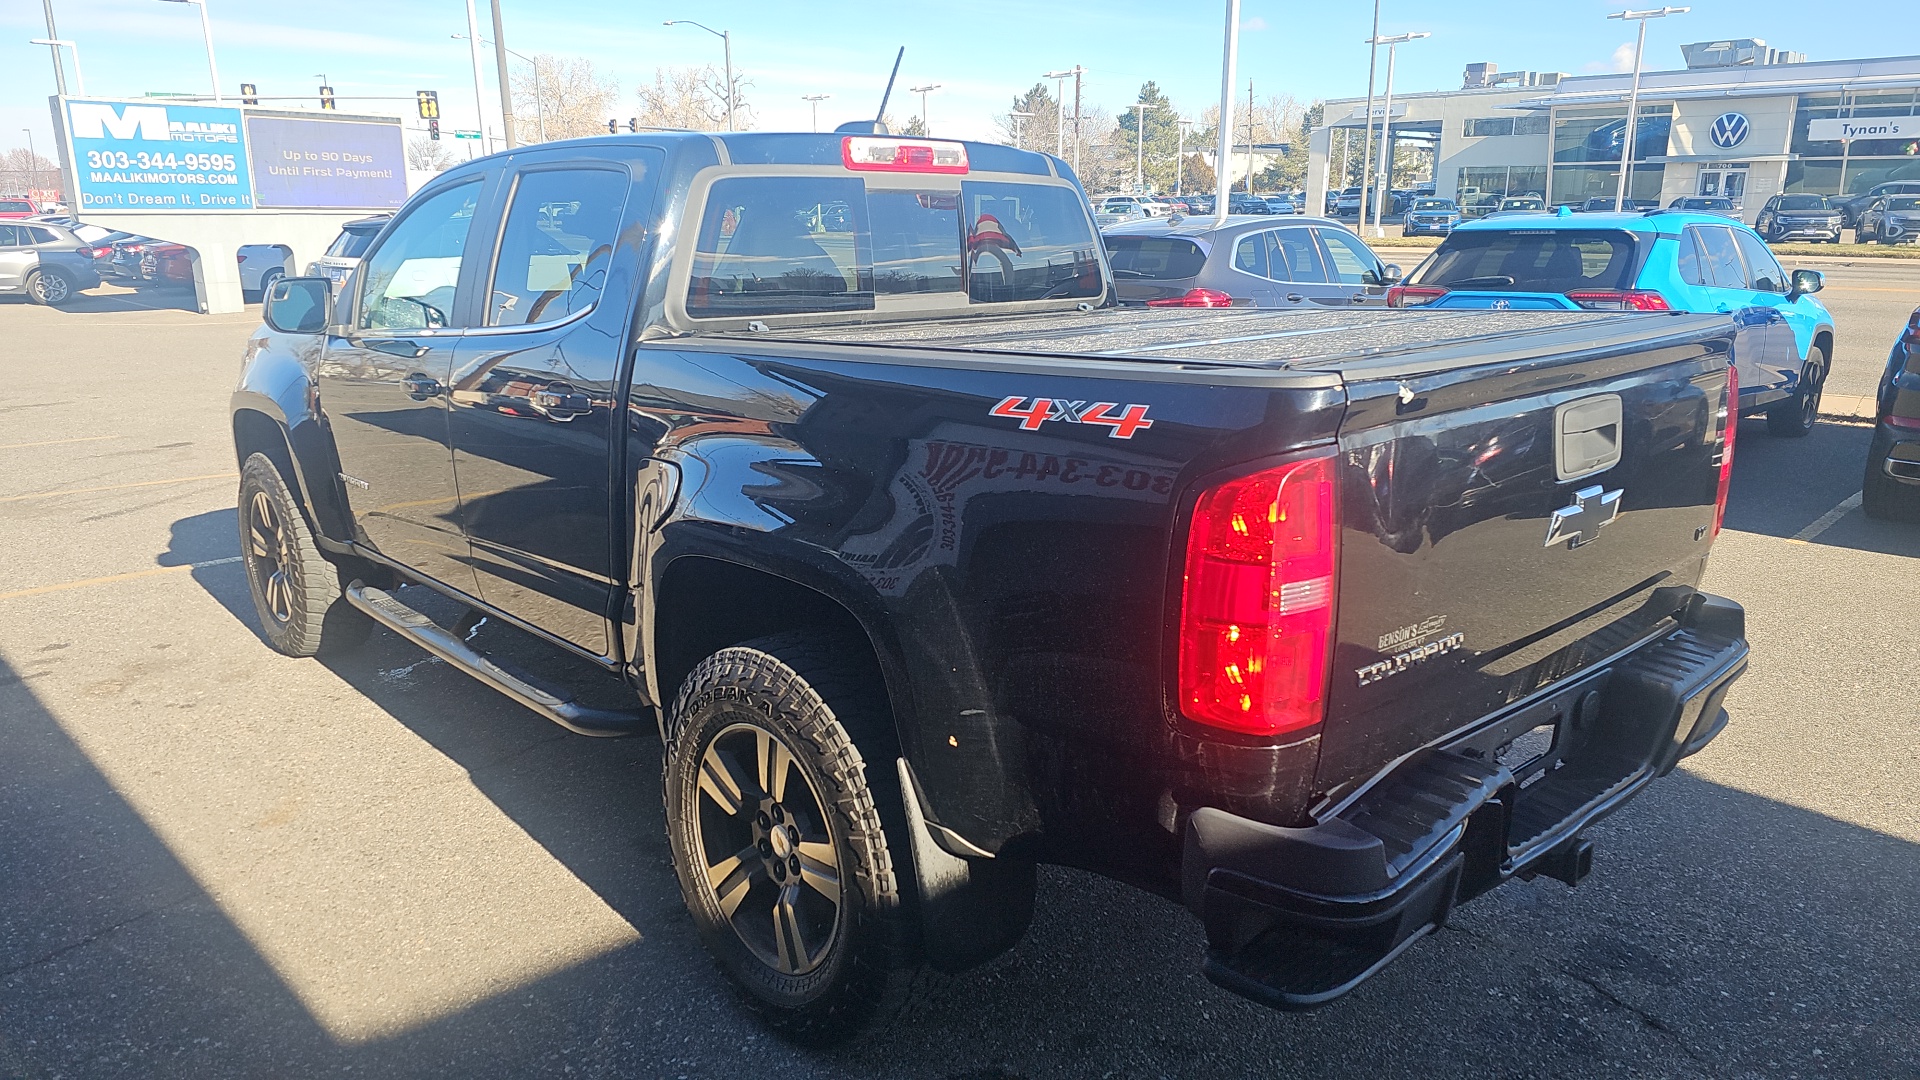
(1296, 917)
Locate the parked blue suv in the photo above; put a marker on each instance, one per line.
(1660, 261)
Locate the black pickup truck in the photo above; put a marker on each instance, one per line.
(930, 563)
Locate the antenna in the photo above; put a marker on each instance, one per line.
(877, 117)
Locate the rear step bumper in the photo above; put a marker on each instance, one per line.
(1296, 917)
(390, 612)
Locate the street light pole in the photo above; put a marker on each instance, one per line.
(1229, 61)
(1060, 97)
(1633, 96)
(479, 81)
(1139, 145)
(726, 47)
(815, 99)
(539, 106)
(1386, 129)
(500, 51)
(59, 69)
(79, 78)
(1180, 155)
(1366, 145)
(206, 33)
(926, 125)
(1016, 116)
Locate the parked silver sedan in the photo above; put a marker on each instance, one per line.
(1245, 261)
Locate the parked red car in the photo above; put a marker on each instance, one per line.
(18, 206)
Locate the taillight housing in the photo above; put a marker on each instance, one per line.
(1911, 339)
(1256, 614)
(1729, 427)
(1413, 295)
(1207, 298)
(880, 154)
(1620, 300)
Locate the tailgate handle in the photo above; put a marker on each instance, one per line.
(1586, 436)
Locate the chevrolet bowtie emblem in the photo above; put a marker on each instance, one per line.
(1593, 509)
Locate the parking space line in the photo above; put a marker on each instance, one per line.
(113, 578)
(1827, 520)
(59, 442)
(115, 487)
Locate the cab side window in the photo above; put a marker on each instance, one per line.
(557, 245)
(1720, 257)
(1764, 270)
(413, 278)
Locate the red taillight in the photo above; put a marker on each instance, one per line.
(1912, 337)
(1729, 427)
(1413, 295)
(1195, 298)
(1620, 300)
(1256, 620)
(875, 154)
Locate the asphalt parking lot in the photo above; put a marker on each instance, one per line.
(217, 861)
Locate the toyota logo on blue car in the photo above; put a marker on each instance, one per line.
(1729, 130)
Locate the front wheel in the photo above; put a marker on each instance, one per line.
(1794, 418)
(296, 591)
(50, 287)
(788, 842)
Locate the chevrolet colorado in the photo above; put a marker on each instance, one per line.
(930, 563)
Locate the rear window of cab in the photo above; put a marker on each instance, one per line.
(1533, 260)
(780, 244)
(1156, 258)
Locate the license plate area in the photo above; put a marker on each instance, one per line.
(1540, 737)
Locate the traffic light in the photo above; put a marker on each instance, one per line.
(429, 101)
(633, 123)
(433, 129)
(613, 126)
(326, 97)
(249, 95)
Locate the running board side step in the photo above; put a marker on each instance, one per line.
(390, 612)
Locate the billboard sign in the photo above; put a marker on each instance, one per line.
(326, 164)
(148, 155)
(1864, 127)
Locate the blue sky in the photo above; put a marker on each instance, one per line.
(981, 51)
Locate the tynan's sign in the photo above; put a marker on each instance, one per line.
(1864, 127)
(152, 156)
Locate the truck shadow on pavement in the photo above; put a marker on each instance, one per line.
(1722, 933)
(1785, 487)
(113, 298)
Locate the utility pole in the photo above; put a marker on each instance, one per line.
(1060, 98)
(1139, 145)
(1078, 71)
(926, 125)
(59, 69)
(506, 86)
(1180, 155)
(1633, 98)
(1229, 60)
(479, 81)
(1366, 145)
(1249, 136)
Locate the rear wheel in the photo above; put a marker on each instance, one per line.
(788, 841)
(50, 287)
(1881, 496)
(296, 591)
(1794, 418)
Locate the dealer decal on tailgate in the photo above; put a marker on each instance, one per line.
(1124, 423)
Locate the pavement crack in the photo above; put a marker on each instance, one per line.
(1650, 1020)
(89, 939)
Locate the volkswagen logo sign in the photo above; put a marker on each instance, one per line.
(1729, 130)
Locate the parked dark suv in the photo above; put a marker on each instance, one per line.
(1852, 206)
(1791, 217)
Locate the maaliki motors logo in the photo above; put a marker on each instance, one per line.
(147, 123)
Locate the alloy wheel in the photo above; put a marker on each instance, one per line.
(50, 288)
(271, 553)
(1816, 377)
(768, 855)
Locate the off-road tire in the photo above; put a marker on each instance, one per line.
(1794, 418)
(49, 287)
(821, 697)
(1881, 496)
(296, 590)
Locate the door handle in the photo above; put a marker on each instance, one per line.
(1294, 298)
(1358, 298)
(421, 386)
(408, 349)
(560, 402)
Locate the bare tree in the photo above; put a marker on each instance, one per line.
(564, 97)
(692, 98)
(23, 171)
(428, 155)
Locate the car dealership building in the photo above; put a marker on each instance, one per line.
(1741, 120)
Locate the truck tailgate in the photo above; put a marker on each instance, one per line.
(1512, 523)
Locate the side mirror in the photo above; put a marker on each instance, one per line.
(1391, 274)
(301, 305)
(1807, 281)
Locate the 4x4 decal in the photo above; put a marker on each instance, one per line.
(1123, 424)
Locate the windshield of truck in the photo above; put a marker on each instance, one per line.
(1158, 258)
(772, 245)
(1804, 202)
(1532, 260)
